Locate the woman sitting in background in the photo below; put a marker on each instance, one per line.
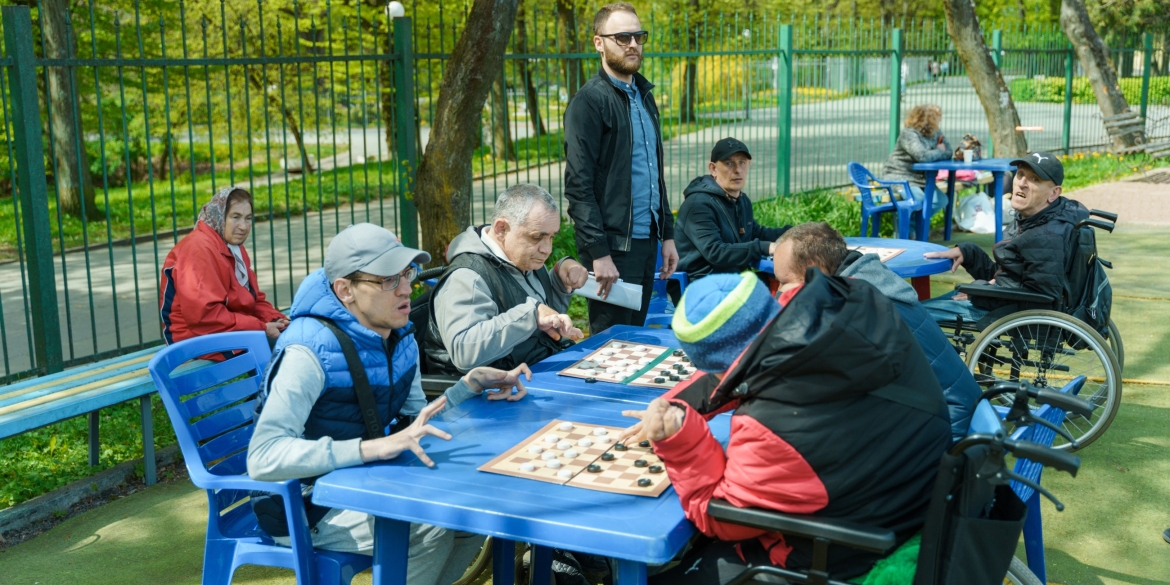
(920, 141)
(208, 285)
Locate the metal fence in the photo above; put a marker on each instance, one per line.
(320, 109)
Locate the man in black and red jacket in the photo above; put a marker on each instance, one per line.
(837, 414)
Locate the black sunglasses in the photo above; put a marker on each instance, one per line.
(624, 38)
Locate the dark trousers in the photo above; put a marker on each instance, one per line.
(635, 267)
(716, 562)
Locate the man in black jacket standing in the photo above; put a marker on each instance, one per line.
(613, 170)
(717, 231)
(1035, 249)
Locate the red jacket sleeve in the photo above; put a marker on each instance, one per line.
(759, 470)
(202, 294)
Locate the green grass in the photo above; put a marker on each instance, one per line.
(43, 460)
(1051, 90)
(164, 209)
(1082, 169)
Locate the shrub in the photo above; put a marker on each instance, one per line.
(1051, 90)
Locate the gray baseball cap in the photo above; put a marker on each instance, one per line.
(369, 248)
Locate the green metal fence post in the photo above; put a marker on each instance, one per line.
(404, 131)
(895, 86)
(1066, 128)
(1147, 62)
(784, 119)
(30, 179)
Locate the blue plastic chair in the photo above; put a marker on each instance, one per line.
(870, 210)
(987, 419)
(211, 408)
(660, 311)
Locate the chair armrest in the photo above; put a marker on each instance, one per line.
(870, 538)
(1000, 292)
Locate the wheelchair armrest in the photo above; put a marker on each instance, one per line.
(1000, 292)
(853, 535)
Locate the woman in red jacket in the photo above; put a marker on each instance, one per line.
(208, 285)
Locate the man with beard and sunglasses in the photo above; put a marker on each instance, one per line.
(613, 170)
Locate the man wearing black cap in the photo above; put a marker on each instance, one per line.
(717, 232)
(1034, 249)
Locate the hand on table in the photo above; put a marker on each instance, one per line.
(606, 273)
(955, 254)
(392, 446)
(772, 249)
(669, 259)
(942, 143)
(485, 379)
(572, 274)
(556, 324)
(660, 421)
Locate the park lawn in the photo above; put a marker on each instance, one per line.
(164, 208)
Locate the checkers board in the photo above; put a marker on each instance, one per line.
(883, 254)
(557, 454)
(633, 364)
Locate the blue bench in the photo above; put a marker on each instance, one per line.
(34, 403)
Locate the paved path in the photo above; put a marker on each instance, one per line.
(1135, 203)
(108, 298)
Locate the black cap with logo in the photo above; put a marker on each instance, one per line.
(727, 147)
(1045, 164)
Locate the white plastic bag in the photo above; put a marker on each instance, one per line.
(976, 214)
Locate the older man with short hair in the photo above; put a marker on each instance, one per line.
(717, 231)
(497, 304)
(1035, 248)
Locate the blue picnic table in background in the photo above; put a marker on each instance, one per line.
(997, 167)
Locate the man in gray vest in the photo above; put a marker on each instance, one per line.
(497, 304)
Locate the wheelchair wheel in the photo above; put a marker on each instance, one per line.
(478, 564)
(1019, 574)
(1048, 349)
(1117, 346)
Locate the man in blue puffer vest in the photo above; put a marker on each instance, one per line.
(818, 244)
(311, 423)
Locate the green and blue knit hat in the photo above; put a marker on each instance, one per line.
(719, 316)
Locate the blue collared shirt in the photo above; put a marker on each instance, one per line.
(643, 163)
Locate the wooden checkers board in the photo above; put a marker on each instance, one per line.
(541, 457)
(633, 364)
(883, 254)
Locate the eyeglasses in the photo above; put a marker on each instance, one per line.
(624, 38)
(391, 282)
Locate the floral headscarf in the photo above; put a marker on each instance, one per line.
(214, 214)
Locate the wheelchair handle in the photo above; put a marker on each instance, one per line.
(1045, 456)
(1065, 402)
(1104, 214)
(429, 273)
(1103, 225)
(1059, 400)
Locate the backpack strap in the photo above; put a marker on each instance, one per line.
(361, 383)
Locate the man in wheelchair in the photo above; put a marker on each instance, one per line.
(837, 414)
(1033, 255)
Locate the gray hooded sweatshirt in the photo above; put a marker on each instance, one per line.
(869, 268)
(473, 329)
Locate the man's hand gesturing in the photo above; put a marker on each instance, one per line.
(484, 378)
(556, 324)
(572, 274)
(407, 439)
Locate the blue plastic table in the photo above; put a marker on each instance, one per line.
(634, 530)
(909, 264)
(545, 378)
(997, 166)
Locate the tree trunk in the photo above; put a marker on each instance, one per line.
(502, 147)
(530, 102)
(573, 70)
(1094, 58)
(443, 188)
(289, 118)
(964, 30)
(70, 161)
